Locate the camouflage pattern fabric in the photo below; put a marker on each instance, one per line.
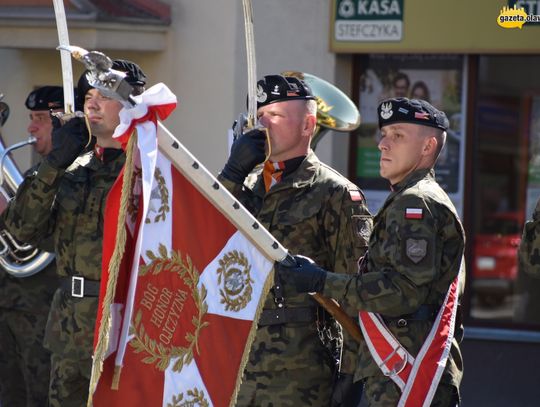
(24, 309)
(12, 385)
(68, 207)
(318, 213)
(24, 362)
(411, 261)
(529, 247)
(297, 387)
(385, 393)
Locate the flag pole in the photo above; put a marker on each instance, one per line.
(227, 204)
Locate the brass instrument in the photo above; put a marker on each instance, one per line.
(335, 110)
(16, 258)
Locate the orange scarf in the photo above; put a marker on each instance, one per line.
(272, 173)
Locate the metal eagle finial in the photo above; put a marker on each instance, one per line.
(100, 75)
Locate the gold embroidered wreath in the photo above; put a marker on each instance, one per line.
(157, 353)
(233, 266)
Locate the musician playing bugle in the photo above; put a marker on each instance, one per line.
(25, 302)
(311, 209)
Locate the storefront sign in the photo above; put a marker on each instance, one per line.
(369, 20)
(434, 26)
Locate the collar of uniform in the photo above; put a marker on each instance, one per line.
(413, 178)
(107, 154)
(409, 180)
(107, 159)
(303, 176)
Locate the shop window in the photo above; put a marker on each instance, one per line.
(506, 187)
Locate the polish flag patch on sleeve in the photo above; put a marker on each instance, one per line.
(414, 213)
(355, 195)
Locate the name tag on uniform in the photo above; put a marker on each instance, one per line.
(414, 213)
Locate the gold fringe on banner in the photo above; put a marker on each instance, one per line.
(114, 269)
(251, 337)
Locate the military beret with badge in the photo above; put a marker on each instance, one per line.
(45, 98)
(279, 88)
(414, 111)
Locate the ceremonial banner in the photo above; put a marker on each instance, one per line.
(181, 321)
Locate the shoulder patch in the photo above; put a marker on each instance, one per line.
(416, 249)
(414, 213)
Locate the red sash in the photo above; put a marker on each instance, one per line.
(418, 378)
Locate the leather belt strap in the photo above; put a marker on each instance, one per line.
(423, 313)
(80, 287)
(287, 315)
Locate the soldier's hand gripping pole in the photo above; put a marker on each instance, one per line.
(329, 304)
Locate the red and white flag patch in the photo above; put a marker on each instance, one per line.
(414, 213)
(355, 195)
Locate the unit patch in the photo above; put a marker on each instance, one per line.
(416, 249)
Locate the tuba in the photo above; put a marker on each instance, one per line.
(16, 258)
(335, 110)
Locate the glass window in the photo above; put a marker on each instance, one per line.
(506, 187)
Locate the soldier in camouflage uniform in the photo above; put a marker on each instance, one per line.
(65, 199)
(25, 302)
(415, 251)
(310, 208)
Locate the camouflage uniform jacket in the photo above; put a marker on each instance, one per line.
(316, 212)
(29, 294)
(68, 207)
(410, 263)
(529, 247)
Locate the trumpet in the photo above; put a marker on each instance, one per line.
(17, 258)
(335, 110)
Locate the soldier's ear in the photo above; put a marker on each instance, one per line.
(430, 146)
(310, 123)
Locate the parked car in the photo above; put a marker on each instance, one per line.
(495, 262)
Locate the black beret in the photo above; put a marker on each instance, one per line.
(134, 76)
(278, 88)
(45, 98)
(415, 111)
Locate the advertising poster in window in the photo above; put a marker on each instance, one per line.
(533, 184)
(435, 78)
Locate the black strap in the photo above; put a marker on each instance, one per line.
(277, 289)
(79, 287)
(423, 313)
(287, 315)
